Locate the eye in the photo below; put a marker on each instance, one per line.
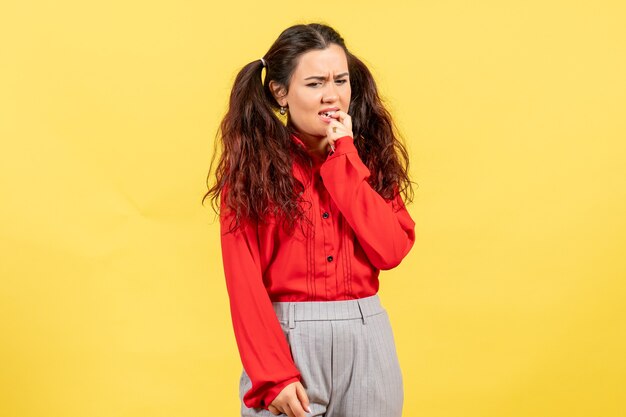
(342, 81)
(313, 84)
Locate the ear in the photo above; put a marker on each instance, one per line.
(279, 92)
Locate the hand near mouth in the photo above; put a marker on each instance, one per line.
(339, 126)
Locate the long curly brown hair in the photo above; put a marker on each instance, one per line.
(254, 175)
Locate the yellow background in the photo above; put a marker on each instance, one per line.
(112, 297)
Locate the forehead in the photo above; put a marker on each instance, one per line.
(322, 62)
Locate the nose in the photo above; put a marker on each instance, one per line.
(330, 94)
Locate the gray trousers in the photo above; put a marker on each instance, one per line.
(346, 353)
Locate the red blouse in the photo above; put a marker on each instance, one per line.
(356, 234)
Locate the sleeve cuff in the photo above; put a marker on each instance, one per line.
(343, 145)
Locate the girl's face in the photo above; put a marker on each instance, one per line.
(319, 83)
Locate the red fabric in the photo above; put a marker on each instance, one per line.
(362, 232)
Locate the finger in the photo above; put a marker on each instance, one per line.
(344, 118)
(330, 139)
(274, 410)
(347, 121)
(296, 409)
(335, 127)
(332, 130)
(304, 399)
(341, 131)
(342, 128)
(287, 410)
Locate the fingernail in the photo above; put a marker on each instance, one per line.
(308, 409)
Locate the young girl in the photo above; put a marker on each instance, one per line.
(310, 212)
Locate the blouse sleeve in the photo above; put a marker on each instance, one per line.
(384, 229)
(263, 348)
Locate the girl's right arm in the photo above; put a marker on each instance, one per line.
(262, 345)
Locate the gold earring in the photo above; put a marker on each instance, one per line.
(282, 115)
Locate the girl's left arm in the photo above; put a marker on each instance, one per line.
(384, 228)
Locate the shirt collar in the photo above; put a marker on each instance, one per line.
(297, 140)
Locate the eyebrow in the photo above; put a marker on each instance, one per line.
(318, 77)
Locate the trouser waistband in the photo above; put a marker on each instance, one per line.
(292, 311)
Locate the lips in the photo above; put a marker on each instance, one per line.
(326, 113)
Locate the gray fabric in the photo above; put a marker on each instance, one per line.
(346, 353)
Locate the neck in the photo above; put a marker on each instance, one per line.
(316, 146)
